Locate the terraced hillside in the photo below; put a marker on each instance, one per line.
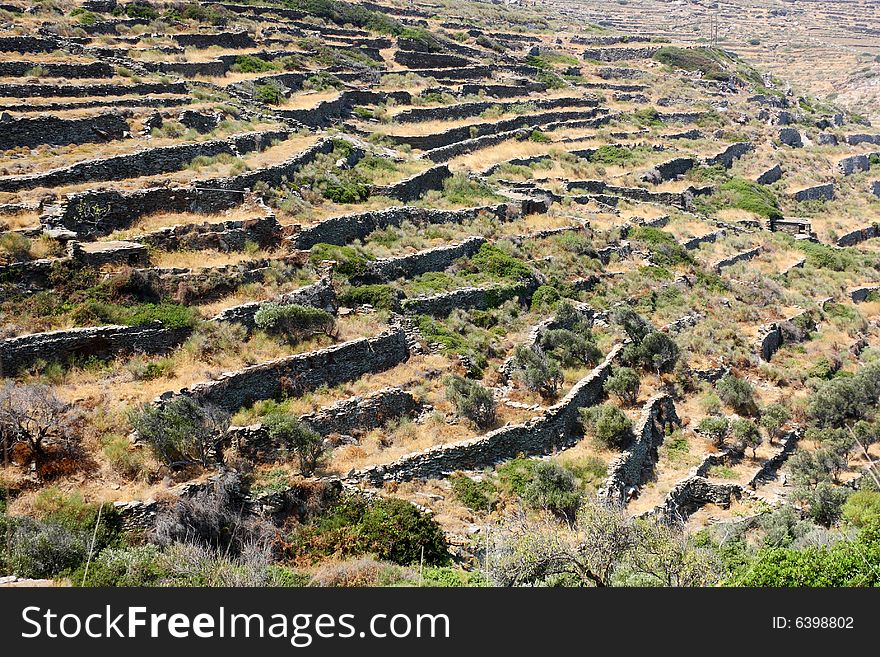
(273, 271)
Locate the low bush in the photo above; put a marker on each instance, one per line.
(389, 529)
(608, 424)
(293, 321)
(472, 400)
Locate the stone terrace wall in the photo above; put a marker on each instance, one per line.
(858, 235)
(817, 193)
(729, 155)
(414, 187)
(353, 416)
(558, 427)
(222, 39)
(295, 375)
(146, 163)
(27, 44)
(632, 468)
(319, 295)
(466, 110)
(89, 90)
(102, 342)
(480, 298)
(413, 264)
(691, 494)
(739, 257)
(223, 236)
(31, 132)
(619, 54)
(770, 176)
(91, 70)
(97, 213)
(347, 228)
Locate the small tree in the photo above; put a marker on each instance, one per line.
(635, 326)
(554, 488)
(773, 418)
(715, 428)
(737, 393)
(610, 425)
(472, 400)
(32, 415)
(181, 432)
(289, 433)
(658, 352)
(624, 383)
(536, 371)
(746, 434)
(293, 321)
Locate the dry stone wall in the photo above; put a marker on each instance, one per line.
(32, 132)
(347, 228)
(437, 259)
(146, 163)
(347, 417)
(557, 428)
(634, 467)
(319, 295)
(101, 342)
(298, 374)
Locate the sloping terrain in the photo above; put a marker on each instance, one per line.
(262, 257)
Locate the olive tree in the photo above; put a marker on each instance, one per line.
(32, 415)
(182, 432)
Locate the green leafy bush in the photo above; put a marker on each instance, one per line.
(293, 321)
(472, 400)
(349, 261)
(389, 529)
(536, 371)
(492, 260)
(608, 424)
(737, 393)
(381, 297)
(475, 495)
(252, 64)
(180, 432)
(624, 383)
(297, 438)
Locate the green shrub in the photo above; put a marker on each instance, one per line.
(293, 321)
(737, 393)
(624, 383)
(389, 529)
(536, 371)
(140, 565)
(610, 154)
(460, 189)
(322, 81)
(269, 93)
(349, 261)
(381, 297)
(297, 438)
(715, 428)
(553, 488)
(706, 60)
(493, 261)
(746, 434)
(862, 509)
(346, 191)
(539, 137)
(180, 432)
(16, 246)
(608, 424)
(666, 251)
(545, 298)
(251, 64)
(744, 195)
(571, 348)
(472, 400)
(475, 495)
